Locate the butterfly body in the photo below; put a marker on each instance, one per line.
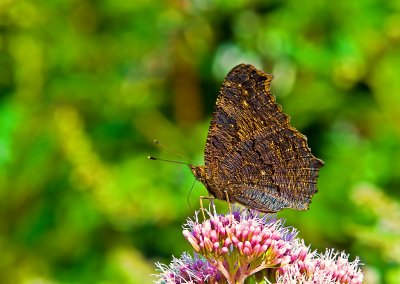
(253, 156)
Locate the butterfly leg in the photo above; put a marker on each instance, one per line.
(229, 204)
(227, 200)
(201, 203)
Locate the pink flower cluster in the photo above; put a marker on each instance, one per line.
(188, 269)
(247, 245)
(245, 234)
(330, 267)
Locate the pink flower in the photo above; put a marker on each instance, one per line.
(330, 267)
(247, 245)
(187, 269)
(241, 244)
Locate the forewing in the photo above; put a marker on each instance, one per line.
(244, 106)
(253, 152)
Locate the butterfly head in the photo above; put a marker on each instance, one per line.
(199, 173)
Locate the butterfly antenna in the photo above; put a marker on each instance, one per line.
(165, 160)
(172, 151)
(190, 191)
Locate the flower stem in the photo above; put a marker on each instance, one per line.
(225, 272)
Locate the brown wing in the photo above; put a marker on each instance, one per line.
(253, 152)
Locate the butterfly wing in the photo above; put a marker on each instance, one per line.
(252, 152)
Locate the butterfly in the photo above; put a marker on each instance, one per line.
(253, 156)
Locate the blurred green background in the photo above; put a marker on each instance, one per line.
(85, 87)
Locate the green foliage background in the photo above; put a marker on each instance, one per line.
(85, 87)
